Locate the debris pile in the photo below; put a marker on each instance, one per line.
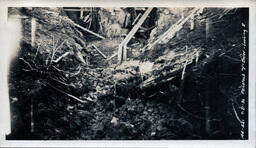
(79, 91)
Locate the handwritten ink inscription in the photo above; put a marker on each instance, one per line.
(243, 80)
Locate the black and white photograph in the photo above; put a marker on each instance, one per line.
(129, 73)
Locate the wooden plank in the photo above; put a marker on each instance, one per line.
(87, 17)
(207, 28)
(192, 23)
(122, 51)
(135, 20)
(178, 26)
(184, 69)
(102, 54)
(89, 31)
(125, 52)
(172, 30)
(112, 56)
(75, 10)
(81, 13)
(33, 31)
(137, 26)
(150, 45)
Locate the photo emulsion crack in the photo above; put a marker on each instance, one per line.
(129, 73)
